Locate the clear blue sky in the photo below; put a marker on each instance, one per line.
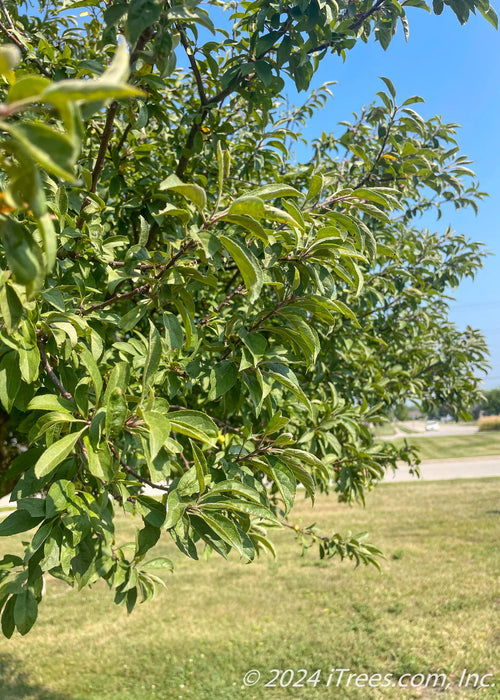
(457, 71)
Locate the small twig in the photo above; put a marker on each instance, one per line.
(143, 289)
(238, 290)
(101, 156)
(305, 533)
(7, 15)
(51, 373)
(367, 177)
(23, 49)
(143, 479)
(353, 27)
(124, 136)
(194, 65)
(186, 463)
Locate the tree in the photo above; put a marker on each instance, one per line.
(491, 403)
(185, 306)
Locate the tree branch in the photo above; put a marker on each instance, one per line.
(238, 290)
(7, 15)
(353, 27)
(51, 373)
(21, 46)
(101, 156)
(144, 288)
(143, 479)
(194, 65)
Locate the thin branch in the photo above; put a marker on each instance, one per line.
(101, 156)
(238, 290)
(51, 373)
(7, 15)
(367, 177)
(124, 136)
(353, 27)
(109, 127)
(23, 49)
(258, 323)
(143, 289)
(143, 479)
(194, 65)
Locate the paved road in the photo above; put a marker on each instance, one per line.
(468, 468)
(418, 427)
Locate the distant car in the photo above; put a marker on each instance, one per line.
(432, 425)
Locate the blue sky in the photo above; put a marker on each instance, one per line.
(456, 69)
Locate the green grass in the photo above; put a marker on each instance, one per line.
(432, 609)
(450, 446)
(404, 429)
(383, 430)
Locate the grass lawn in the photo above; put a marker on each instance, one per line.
(432, 609)
(383, 429)
(449, 446)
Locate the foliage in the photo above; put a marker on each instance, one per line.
(186, 307)
(491, 402)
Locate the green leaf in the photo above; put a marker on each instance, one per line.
(119, 377)
(110, 85)
(194, 424)
(284, 480)
(132, 317)
(390, 86)
(11, 307)
(56, 453)
(116, 413)
(159, 428)
(24, 256)
(88, 360)
(222, 378)
(50, 402)
(158, 563)
(49, 148)
(10, 56)
(175, 510)
(8, 624)
(253, 509)
(225, 529)
(263, 70)
(19, 521)
(489, 14)
(249, 224)
(141, 15)
(285, 376)
(236, 488)
(173, 331)
(153, 358)
(248, 266)
(275, 190)
(193, 193)
(200, 464)
(28, 86)
(10, 378)
(248, 205)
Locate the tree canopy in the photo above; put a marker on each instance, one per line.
(186, 306)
